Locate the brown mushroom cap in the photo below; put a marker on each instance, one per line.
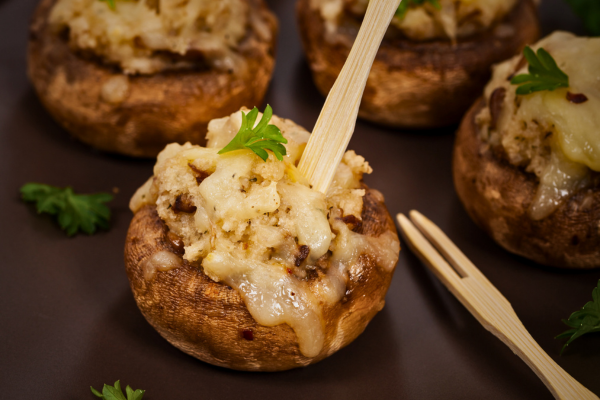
(497, 195)
(419, 84)
(210, 321)
(161, 108)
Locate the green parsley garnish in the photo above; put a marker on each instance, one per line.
(405, 4)
(115, 392)
(74, 211)
(586, 320)
(111, 4)
(543, 74)
(589, 12)
(260, 138)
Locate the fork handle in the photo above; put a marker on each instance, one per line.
(562, 385)
(486, 304)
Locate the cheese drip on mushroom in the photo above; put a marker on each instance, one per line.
(453, 19)
(547, 134)
(259, 227)
(148, 36)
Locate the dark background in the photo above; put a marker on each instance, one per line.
(68, 319)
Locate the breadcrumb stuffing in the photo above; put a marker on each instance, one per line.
(242, 203)
(144, 37)
(453, 19)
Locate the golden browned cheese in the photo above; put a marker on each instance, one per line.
(545, 133)
(451, 20)
(288, 250)
(137, 34)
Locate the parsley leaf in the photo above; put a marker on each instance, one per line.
(543, 74)
(74, 211)
(116, 393)
(589, 11)
(586, 320)
(111, 4)
(405, 5)
(260, 138)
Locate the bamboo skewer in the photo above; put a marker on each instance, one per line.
(486, 303)
(335, 126)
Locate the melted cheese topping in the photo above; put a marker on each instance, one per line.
(160, 261)
(258, 227)
(454, 19)
(115, 89)
(544, 132)
(144, 36)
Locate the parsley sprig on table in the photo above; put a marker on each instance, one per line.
(543, 74)
(260, 138)
(115, 392)
(405, 4)
(75, 212)
(586, 320)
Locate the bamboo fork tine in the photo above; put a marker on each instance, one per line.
(450, 277)
(452, 254)
(486, 303)
(335, 126)
(443, 244)
(421, 247)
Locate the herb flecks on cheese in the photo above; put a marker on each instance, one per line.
(258, 226)
(425, 20)
(545, 132)
(144, 39)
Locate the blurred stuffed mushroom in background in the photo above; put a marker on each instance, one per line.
(434, 60)
(132, 76)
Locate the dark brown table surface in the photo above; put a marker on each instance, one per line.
(68, 319)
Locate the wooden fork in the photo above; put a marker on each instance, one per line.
(485, 302)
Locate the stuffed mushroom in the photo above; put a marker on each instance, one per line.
(132, 76)
(434, 59)
(527, 166)
(238, 262)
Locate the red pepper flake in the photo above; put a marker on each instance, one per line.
(248, 334)
(289, 271)
(182, 205)
(304, 251)
(576, 98)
